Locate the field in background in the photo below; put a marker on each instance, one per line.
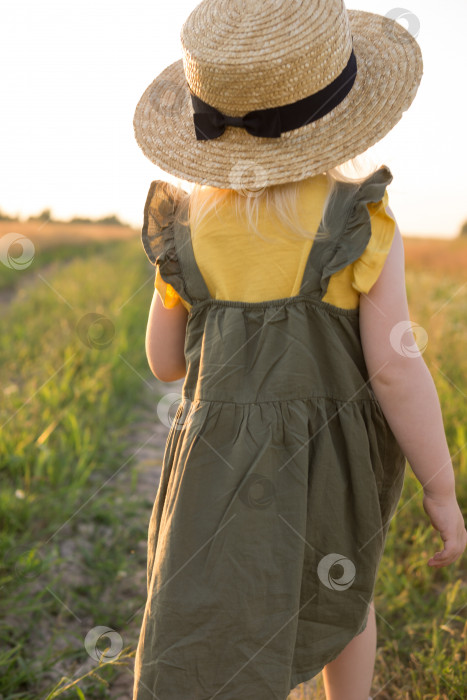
(436, 254)
(72, 545)
(51, 233)
(54, 242)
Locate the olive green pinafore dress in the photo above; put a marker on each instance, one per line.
(279, 479)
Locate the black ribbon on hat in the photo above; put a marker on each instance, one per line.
(272, 122)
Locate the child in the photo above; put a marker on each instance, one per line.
(280, 299)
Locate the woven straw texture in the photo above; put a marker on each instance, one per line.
(239, 55)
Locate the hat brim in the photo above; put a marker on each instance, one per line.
(389, 71)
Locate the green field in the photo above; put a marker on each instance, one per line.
(74, 524)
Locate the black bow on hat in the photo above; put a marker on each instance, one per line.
(274, 121)
(210, 123)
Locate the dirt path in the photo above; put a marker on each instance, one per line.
(29, 280)
(148, 466)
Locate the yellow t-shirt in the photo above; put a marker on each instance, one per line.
(236, 264)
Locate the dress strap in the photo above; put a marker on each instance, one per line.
(347, 222)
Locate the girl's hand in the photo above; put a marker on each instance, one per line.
(446, 517)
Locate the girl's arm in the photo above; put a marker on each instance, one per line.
(400, 379)
(165, 340)
(407, 394)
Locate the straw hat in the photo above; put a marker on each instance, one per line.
(318, 84)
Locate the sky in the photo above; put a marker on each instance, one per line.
(72, 73)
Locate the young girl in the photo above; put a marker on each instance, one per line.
(280, 299)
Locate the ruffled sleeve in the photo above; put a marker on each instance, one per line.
(361, 230)
(368, 267)
(158, 241)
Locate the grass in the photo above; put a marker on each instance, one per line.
(49, 244)
(71, 385)
(423, 623)
(72, 525)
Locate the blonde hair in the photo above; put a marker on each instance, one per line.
(280, 201)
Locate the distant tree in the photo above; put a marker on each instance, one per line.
(45, 215)
(80, 220)
(110, 221)
(5, 217)
(464, 229)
